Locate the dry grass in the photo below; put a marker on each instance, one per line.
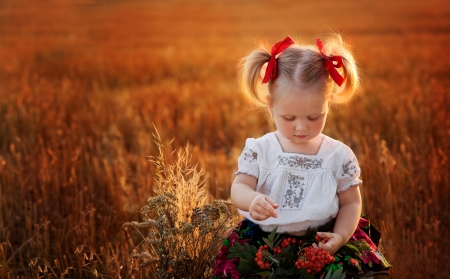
(181, 229)
(82, 84)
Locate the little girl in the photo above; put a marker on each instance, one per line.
(296, 180)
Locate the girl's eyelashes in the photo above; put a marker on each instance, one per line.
(289, 118)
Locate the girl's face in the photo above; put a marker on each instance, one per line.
(301, 116)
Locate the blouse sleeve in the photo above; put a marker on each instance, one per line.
(348, 171)
(248, 160)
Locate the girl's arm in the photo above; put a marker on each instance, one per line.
(245, 197)
(346, 221)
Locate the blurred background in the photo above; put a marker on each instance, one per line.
(84, 85)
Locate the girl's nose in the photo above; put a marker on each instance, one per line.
(301, 126)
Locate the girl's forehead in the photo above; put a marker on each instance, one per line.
(295, 102)
(321, 89)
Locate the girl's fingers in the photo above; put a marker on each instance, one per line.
(266, 210)
(323, 246)
(270, 211)
(271, 206)
(324, 234)
(263, 208)
(261, 213)
(271, 202)
(258, 215)
(333, 243)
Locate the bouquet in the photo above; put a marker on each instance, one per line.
(282, 256)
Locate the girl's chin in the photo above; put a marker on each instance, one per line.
(298, 140)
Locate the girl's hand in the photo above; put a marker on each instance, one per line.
(333, 244)
(262, 208)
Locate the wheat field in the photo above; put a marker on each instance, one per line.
(84, 85)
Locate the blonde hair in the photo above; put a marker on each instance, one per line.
(299, 66)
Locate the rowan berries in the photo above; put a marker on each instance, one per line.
(260, 261)
(313, 259)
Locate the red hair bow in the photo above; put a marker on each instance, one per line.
(271, 70)
(330, 64)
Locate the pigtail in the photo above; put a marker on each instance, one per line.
(299, 67)
(250, 75)
(336, 46)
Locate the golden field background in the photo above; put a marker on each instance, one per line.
(83, 84)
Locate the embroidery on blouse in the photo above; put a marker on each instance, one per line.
(300, 162)
(249, 155)
(294, 192)
(350, 168)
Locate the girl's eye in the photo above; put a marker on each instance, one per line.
(289, 118)
(313, 119)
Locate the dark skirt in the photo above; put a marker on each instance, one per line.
(248, 252)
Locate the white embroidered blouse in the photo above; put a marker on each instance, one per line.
(304, 186)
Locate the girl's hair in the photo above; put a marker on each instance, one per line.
(298, 67)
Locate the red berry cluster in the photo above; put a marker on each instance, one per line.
(290, 240)
(263, 250)
(313, 259)
(260, 261)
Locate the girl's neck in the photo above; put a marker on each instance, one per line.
(311, 147)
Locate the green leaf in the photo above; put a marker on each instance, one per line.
(272, 234)
(254, 250)
(265, 273)
(280, 271)
(268, 242)
(238, 246)
(277, 242)
(333, 268)
(244, 266)
(276, 237)
(337, 274)
(274, 231)
(233, 249)
(247, 247)
(234, 255)
(248, 256)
